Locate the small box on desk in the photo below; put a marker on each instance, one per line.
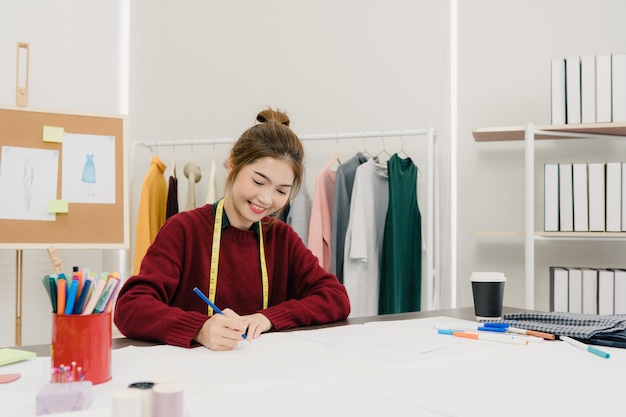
(85, 341)
(62, 397)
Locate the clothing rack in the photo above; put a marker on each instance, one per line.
(432, 275)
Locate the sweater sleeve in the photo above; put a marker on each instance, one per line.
(150, 305)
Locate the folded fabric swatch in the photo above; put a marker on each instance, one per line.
(615, 339)
(579, 326)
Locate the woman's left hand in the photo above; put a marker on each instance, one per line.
(256, 324)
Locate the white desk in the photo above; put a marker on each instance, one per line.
(387, 368)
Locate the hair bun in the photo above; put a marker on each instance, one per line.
(270, 115)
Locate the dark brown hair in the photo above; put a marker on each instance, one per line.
(270, 137)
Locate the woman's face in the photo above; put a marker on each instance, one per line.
(259, 189)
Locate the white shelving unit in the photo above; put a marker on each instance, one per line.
(529, 134)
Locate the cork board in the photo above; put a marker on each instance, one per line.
(81, 224)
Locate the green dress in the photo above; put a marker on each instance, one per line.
(401, 262)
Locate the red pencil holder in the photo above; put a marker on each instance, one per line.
(86, 340)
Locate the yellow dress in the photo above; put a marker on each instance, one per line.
(152, 209)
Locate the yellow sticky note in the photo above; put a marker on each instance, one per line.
(57, 206)
(9, 355)
(53, 134)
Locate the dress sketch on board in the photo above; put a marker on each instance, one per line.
(89, 175)
(29, 174)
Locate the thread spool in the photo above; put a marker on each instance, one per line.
(127, 403)
(167, 400)
(145, 388)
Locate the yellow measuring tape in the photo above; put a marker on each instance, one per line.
(215, 257)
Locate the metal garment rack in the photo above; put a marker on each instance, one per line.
(432, 276)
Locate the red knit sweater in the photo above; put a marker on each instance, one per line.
(159, 304)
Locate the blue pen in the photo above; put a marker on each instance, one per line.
(213, 306)
(82, 298)
(477, 327)
(501, 325)
(71, 297)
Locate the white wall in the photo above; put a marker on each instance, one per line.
(74, 53)
(505, 49)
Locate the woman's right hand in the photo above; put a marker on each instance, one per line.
(221, 331)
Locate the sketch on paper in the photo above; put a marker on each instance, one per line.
(88, 169)
(89, 175)
(29, 175)
(28, 180)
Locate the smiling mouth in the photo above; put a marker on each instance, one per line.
(255, 208)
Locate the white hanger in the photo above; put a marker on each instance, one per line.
(365, 151)
(383, 151)
(402, 151)
(405, 155)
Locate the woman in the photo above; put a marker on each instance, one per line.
(267, 279)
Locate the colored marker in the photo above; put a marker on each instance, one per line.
(109, 303)
(82, 298)
(71, 297)
(493, 324)
(477, 327)
(486, 336)
(581, 345)
(78, 275)
(53, 292)
(95, 296)
(64, 278)
(107, 293)
(61, 293)
(210, 304)
(501, 331)
(535, 333)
